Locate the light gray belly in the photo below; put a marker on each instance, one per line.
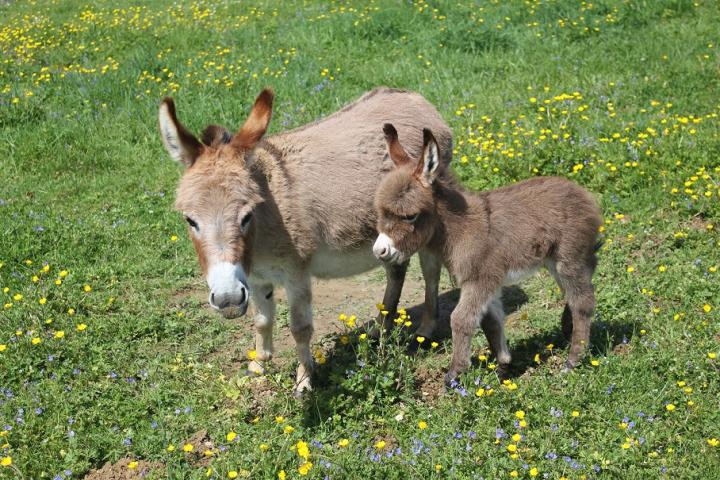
(327, 263)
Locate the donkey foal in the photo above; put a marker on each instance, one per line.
(490, 239)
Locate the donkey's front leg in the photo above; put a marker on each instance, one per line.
(395, 277)
(299, 292)
(262, 296)
(431, 266)
(474, 302)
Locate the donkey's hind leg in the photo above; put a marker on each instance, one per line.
(299, 291)
(262, 296)
(493, 325)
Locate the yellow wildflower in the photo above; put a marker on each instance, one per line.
(304, 469)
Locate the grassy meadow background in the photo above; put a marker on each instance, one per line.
(101, 360)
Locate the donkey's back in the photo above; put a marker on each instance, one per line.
(334, 163)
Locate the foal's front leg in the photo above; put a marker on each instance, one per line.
(431, 266)
(299, 292)
(395, 278)
(262, 296)
(475, 299)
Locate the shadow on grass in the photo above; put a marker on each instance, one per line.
(604, 338)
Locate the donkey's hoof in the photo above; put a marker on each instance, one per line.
(568, 367)
(302, 388)
(256, 368)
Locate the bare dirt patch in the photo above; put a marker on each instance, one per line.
(121, 470)
(430, 383)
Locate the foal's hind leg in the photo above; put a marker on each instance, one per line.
(566, 318)
(580, 297)
(493, 325)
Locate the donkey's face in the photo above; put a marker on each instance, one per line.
(217, 195)
(404, 200)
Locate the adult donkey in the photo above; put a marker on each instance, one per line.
(295, 205)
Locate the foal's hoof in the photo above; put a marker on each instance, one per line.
(450, 380)
(503, 370)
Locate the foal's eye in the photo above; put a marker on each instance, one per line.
(245, 220)
(410, 218)
(192, 223)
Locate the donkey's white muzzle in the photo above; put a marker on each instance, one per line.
(384, 249)
(229, 293)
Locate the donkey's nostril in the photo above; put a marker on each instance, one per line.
(243, 295)
(212, 299)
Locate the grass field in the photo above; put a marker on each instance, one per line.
(102, 362)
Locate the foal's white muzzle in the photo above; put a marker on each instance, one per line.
(384, 249)
(229, 293)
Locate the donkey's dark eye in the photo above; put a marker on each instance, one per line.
(246, 220)
(410, 218)
(192, 223)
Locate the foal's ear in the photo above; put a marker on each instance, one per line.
(397, 153)
(179, 142)
(257, 123)
(428, 167)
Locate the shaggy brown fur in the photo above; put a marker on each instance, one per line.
(297, 204)
(489, 239)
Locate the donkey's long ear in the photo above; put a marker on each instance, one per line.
(428, 167)
(397, 153)
(179, 142)
(257, 123)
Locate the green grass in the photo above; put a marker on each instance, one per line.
(627, 90)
